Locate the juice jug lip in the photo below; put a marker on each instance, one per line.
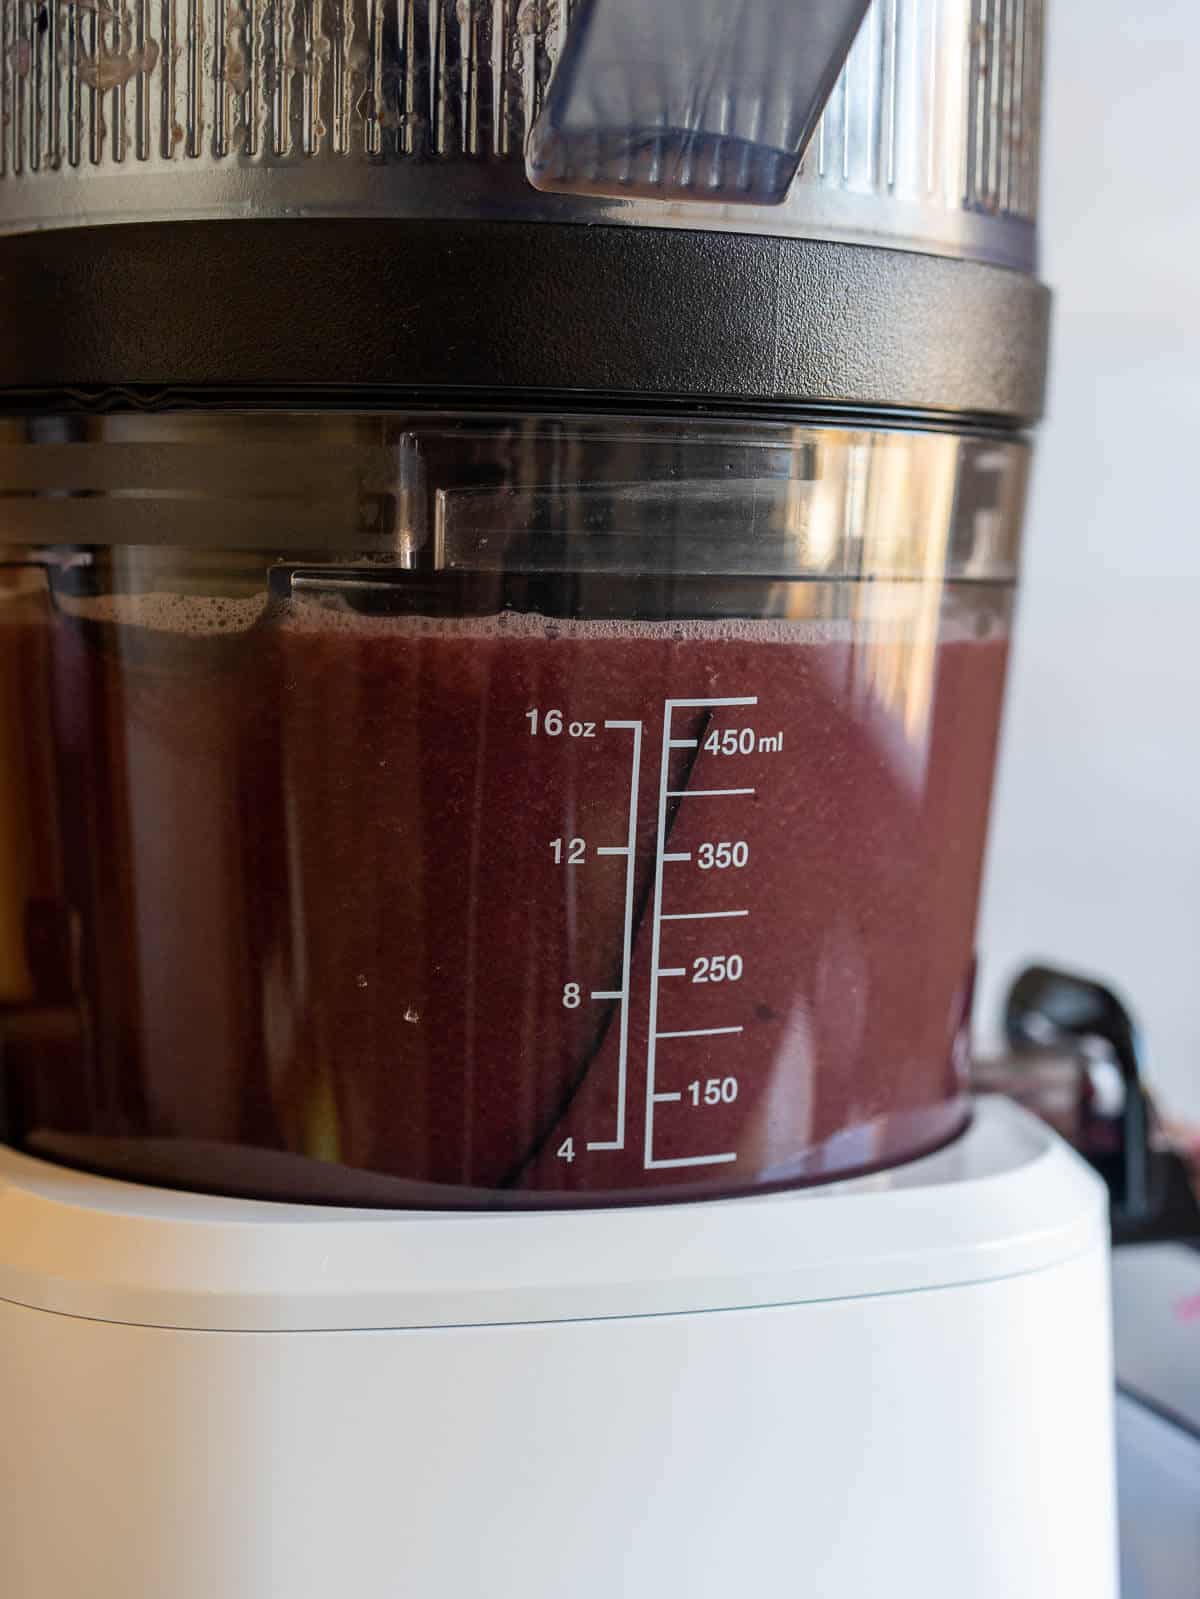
(1019, 1200)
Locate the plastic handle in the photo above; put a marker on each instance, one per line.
(710, 100)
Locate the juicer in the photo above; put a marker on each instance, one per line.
(510, 530)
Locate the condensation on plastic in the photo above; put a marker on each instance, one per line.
(534, 811)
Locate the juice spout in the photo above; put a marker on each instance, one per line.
(689, 99)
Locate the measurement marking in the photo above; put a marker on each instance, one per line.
(749, 699)
(700, 1032)
(626, 849)
(656, 932)
(685, 743)
(656, 970)
(691, 1160)
(613, 849)
(704, 793)
(658, 1098)
(673, 971)
(606, 993)
(699, 916)
(679, 855)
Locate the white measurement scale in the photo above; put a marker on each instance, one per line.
(667, 907)
(658, 972)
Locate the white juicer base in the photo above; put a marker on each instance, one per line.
(942, 1439)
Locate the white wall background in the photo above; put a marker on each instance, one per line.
(1095, 854)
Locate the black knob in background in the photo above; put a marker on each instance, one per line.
(1046, 1006)
(1152, 1197)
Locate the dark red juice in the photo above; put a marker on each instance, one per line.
(388, 928)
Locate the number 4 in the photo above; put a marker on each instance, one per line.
(566, 1150)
